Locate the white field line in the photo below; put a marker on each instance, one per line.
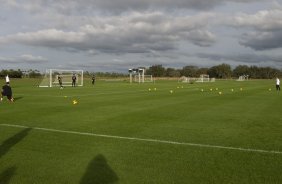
(148, 140)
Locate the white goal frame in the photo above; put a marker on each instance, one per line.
(143, 78)
(138, 75)
(203, 78)
(243, 78)
(51, 77)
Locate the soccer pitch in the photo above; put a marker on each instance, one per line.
(163, 132)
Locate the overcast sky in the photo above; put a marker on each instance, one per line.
(115, 35)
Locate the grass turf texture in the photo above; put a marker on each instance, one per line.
(248, 118)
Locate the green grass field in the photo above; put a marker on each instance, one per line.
(124, 133)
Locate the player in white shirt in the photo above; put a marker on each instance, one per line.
(277, 84)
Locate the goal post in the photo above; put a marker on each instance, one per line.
(51, 76)
(138, 75)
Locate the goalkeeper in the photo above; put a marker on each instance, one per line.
(60, 81)
(73, 80)
(7, 91)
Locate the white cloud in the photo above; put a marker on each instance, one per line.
(263, 30)
(120, 33)
(25, 58)
(32, 59)
(266, 20)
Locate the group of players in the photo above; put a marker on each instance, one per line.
(73, 78)
(7, 90)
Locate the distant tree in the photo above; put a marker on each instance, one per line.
(108, 74)
(171, 72)
(268, 72)
(3, 73)
(241, 70)
(189, 71)
(12, 73)
(222, 71)
(201, 71)
(156, 71)
(34, 74)
(254, 72)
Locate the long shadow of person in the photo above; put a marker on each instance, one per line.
(6, 176)
(99, 172)
(17, 98)
(9, 143)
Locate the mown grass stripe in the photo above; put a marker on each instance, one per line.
(149, 140)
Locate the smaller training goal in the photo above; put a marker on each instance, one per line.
(203, 78)
(243, 78)
(138, 75)
(51, 76)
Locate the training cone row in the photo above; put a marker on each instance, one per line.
(220, 92)
(152, 89)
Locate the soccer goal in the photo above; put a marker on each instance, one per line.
(243, 78)
(51, 76)
(138, 75)
(203, 78)
(143, 78)
(190, 80)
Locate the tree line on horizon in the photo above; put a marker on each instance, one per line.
(222, 71)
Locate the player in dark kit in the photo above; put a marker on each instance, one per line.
(60, 82)
(7, 91)
(73, 80)
(93, 79)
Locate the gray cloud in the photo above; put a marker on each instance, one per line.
(92, 33)
(242, 58)
(262, 40)
(135, 33)
(117, 6)
(265, 29)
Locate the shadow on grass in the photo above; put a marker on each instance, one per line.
(9, 143)
(18, 98)
(99, 172)
(6, 176)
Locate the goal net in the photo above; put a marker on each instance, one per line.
(203, 78)
(143, 78)
(51, 76)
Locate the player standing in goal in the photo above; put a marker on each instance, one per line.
(73, 80)
(60, 81)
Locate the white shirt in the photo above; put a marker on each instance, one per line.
(7, 79)
(277, 81)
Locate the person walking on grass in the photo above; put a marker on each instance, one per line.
(277, 84)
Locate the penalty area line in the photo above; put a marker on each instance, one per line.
(148, 140)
